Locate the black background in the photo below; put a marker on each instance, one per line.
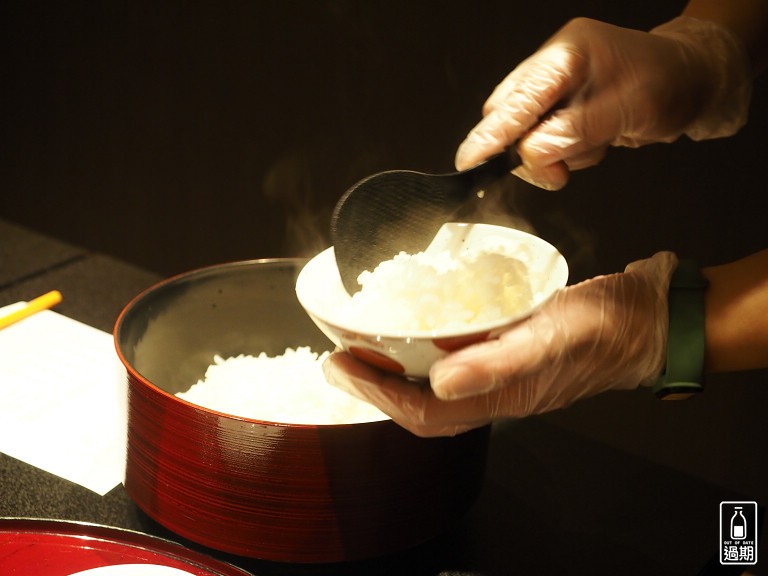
(176, 134)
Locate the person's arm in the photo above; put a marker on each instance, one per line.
(737, 315)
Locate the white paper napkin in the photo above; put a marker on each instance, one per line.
(63, 399)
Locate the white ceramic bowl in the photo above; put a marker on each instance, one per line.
(412, 353)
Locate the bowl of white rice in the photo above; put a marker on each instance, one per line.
(237, 442)
(472, 283)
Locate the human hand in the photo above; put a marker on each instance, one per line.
(594, 85)
(609, 332)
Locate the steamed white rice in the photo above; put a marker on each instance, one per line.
(290, 388)
(440, 291)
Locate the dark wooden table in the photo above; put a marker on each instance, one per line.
(554, 501)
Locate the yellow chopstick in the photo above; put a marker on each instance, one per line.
(32, 307)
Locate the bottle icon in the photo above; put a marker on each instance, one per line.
(738, 525)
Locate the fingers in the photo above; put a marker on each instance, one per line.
(552, 177)
(605, 333)
(565, 105)
(519, 354)
(519, 102)
(469, 388)
(410, 404)
(564, 142)
(521, 111)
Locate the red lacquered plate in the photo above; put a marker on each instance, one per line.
(30, 547)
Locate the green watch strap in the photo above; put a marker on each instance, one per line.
(684, 375)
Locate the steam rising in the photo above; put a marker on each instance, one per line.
(290, 183)
(303, 185)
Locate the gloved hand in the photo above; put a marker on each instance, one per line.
(606, 333)
(594, 85)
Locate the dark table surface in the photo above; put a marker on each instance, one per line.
(554, 502)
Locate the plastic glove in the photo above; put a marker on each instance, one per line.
(594, 85)
(606, 333)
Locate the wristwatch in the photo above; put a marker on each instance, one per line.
(684, 374)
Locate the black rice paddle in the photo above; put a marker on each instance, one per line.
(402, 210)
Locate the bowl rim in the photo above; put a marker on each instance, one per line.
(492, 326)
(190, 274)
